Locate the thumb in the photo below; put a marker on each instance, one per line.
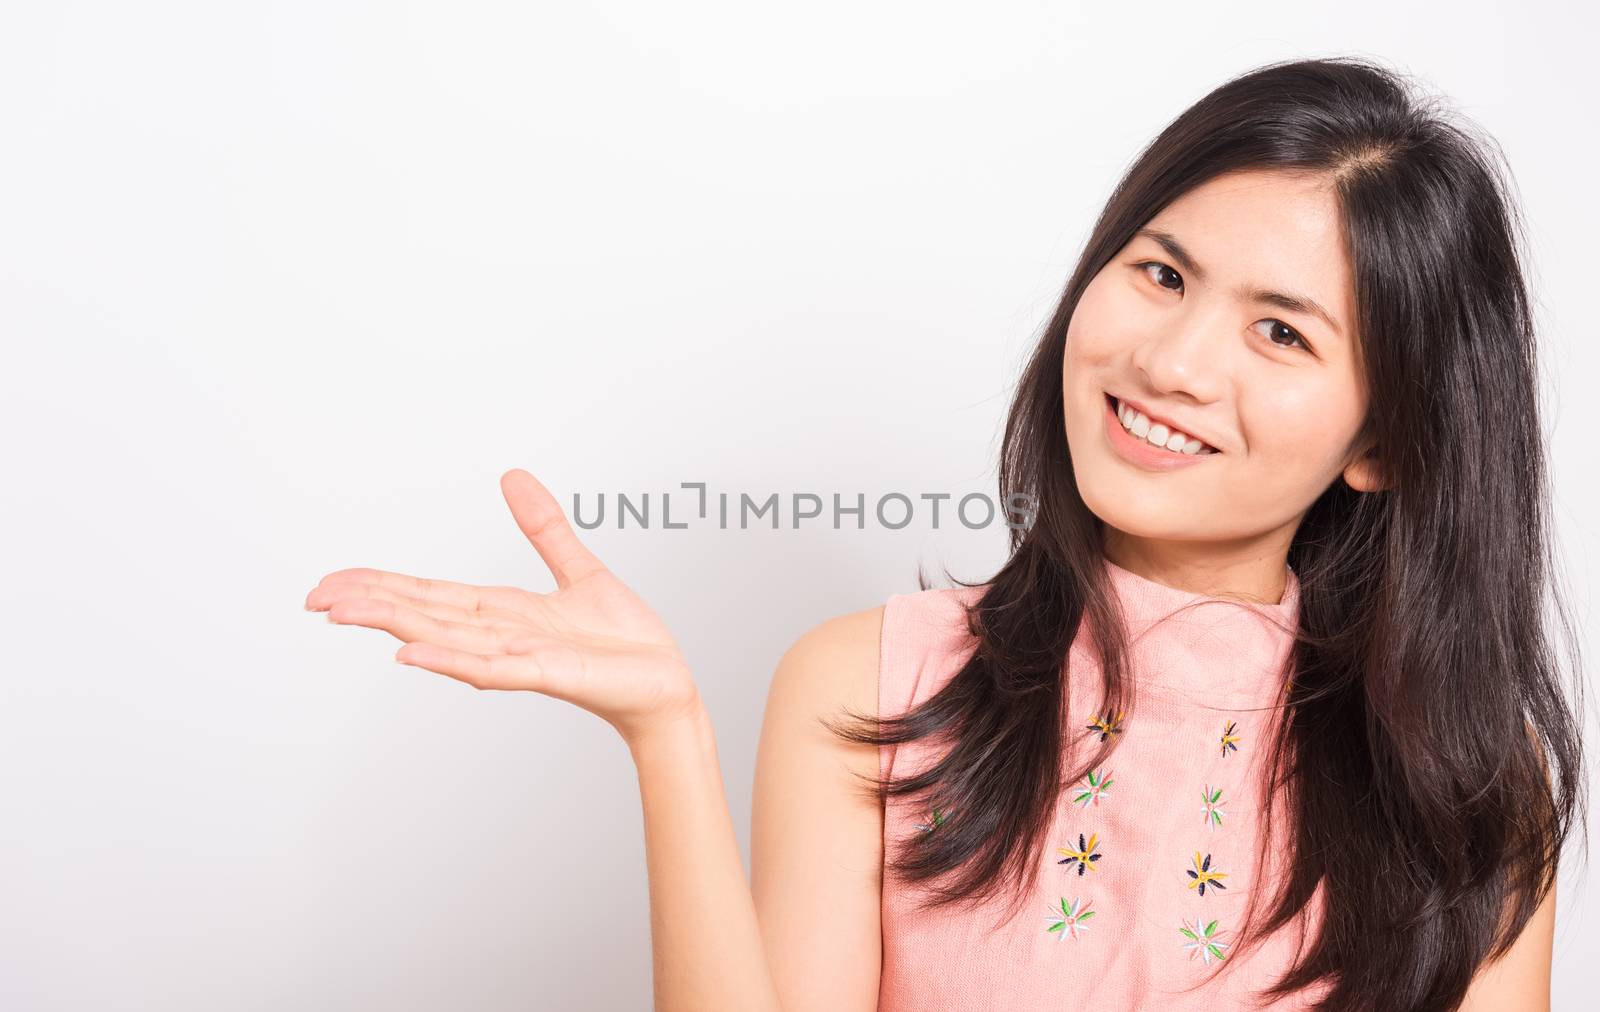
(542, 520)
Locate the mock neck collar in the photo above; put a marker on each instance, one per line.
(1207, 647)
(1146, 600)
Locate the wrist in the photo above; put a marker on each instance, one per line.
(689, 726)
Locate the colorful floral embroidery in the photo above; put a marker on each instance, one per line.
(1203, 942)
(1203, 875)
(1212, 811)
(935, 820)
(1095, 786)
(1106, 725)
(1230, 738)
(1085, 856)
(1069, 918)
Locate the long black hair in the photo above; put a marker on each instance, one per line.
(1429, 757)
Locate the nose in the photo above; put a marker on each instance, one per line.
(1189, 355)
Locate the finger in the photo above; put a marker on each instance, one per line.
(409, 625)
(325, 596)
(541, 519)
(528, 662)
(481, 671)
(461, 595)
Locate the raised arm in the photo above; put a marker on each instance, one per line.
(705, 941)
(594, 643)
(816, 845)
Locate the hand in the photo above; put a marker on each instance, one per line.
(591, 642)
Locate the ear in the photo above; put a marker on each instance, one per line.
(1365, 473)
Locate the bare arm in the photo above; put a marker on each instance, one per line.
(1521, 978)
(594, 643)
(816, 843)
(705, 940)
(804, 935)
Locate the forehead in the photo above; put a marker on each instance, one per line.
(1274, 230)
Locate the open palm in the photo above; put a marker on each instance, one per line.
(592, 641)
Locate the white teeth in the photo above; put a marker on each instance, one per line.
(1159, 435)
(1135, 423)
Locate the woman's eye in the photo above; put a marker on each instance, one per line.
(1279, 329)
(1162, 274)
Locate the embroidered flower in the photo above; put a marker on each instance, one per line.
(1106, 725)
(1084, 857)
(1230, 738)
(1069, 918)
(1203, 941)
(1203, 875)
(1095, 786)
(1212, 811)
(935, 820)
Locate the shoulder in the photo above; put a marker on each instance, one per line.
(853, 660)
(825, 676)
(1520, 977)
(853, 633)
(840, 657)
(835, 661)
(816, 838)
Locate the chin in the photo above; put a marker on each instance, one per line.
(1134, 511)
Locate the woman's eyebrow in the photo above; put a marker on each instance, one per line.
(1283, 300)
(1175, 250)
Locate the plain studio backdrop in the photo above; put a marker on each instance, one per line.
(286, 287)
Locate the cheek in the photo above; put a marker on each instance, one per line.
(1303, 437)
(1096, 330)
(1097, 336)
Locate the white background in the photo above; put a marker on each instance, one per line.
(285, 287)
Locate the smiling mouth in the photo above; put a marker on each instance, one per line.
(1188, 445)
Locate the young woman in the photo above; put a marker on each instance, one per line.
(1262, 705)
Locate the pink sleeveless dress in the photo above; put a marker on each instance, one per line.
(1150, 863)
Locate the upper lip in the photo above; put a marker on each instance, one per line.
(1169, 422)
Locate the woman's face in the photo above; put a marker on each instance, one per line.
(1204, 344)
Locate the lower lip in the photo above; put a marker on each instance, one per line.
(1140, 452)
